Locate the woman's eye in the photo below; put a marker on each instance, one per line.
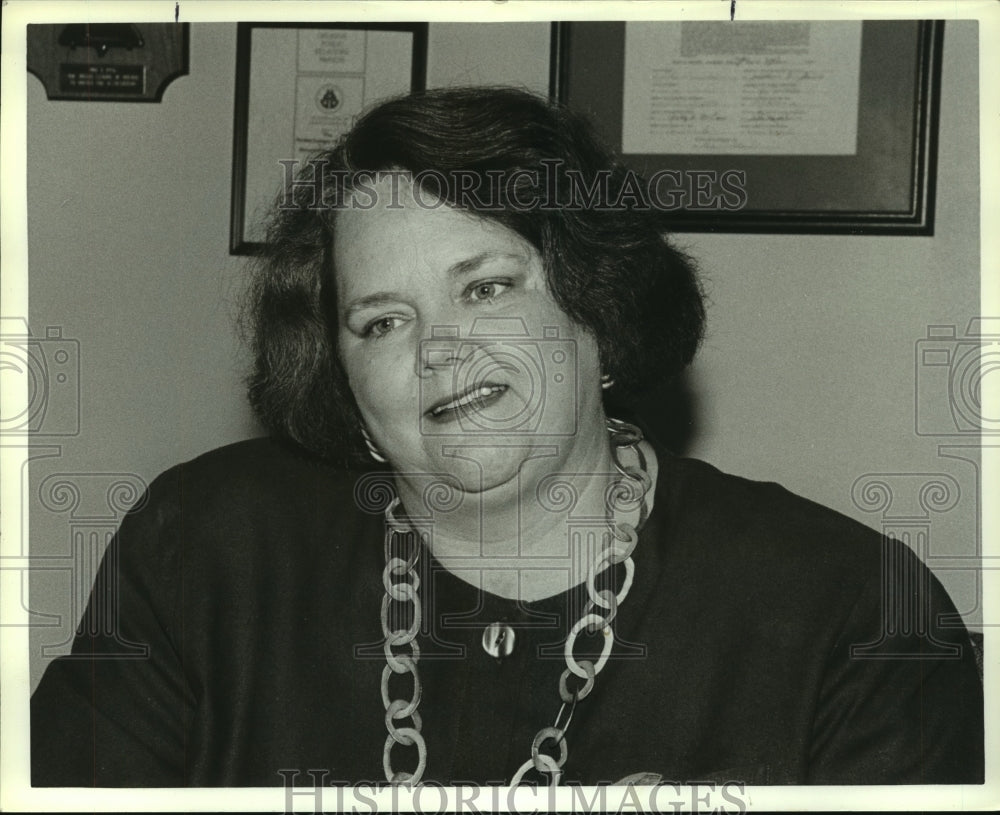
(485, 292)
(381, 326)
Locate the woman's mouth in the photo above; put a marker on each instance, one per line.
(472, 399)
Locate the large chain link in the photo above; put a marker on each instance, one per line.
(628, 491)
(402, 585)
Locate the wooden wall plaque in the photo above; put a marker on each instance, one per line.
(108, 62)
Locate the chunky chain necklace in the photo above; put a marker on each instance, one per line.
(402, 584)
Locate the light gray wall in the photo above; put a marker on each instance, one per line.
(807, 376)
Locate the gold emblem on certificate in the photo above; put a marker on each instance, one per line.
(330, 86)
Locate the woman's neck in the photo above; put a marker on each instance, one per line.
(537, 535)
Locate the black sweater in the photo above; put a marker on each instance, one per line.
(242, 597)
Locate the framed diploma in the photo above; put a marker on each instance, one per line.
(299, 87)
(797, 126)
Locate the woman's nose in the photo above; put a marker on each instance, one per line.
(445, 341)
(454, 338)
(441, 350)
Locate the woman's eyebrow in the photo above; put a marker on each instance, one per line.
(472, 264)
(379, 298)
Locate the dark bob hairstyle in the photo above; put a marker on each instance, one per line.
(531, 165)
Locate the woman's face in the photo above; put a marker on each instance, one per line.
(458, 356)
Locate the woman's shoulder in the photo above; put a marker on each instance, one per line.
(747, 544)
(819, 614)
(699, 487)
(258, 471)
(262, 458)
(762, 523)
(229, 510)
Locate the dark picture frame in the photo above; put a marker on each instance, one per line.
(245, 203)
(886, 188)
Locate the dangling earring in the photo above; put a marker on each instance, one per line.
(607, 381)
(373, 451)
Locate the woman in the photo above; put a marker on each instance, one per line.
(451, 561)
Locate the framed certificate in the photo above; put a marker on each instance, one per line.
(299, 87)
(772, 126)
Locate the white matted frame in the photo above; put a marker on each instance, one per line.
(299, 86)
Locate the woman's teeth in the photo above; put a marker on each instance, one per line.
(469, 398)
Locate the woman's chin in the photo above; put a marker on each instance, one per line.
(482, 464)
